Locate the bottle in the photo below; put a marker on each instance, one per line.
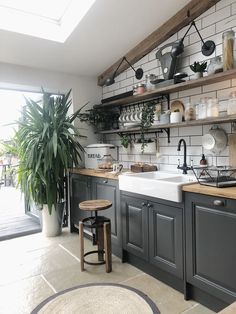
(228, 50)
(203, 161)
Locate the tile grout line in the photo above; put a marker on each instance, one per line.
(47, 282)
(61, 246)
(134, 277)
(186, 311)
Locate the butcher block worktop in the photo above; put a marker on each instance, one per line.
(95, 173)
(229, 192)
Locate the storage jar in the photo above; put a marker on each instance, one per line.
(228, 50)
(215, 66)
(141, 88)
(212, 108)
(231, 108)
(189, 113)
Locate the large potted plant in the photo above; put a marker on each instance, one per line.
(47, 144)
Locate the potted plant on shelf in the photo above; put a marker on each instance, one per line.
(146, 146)
(47, 145)
(147, 119)
(126, 143)
(198, 68)
(102, 119)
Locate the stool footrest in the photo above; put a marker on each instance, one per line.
(94, 252)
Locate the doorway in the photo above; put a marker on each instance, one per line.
(16, 217)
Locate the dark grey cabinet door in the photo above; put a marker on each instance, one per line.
(166, 238)
(80, 190)
(210, 245)
(108, 189)
(135, 226)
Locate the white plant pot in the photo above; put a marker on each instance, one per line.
(150, 148)
(176, 117)
(197, 75)
(52, 224)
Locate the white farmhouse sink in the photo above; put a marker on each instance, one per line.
(158, 184)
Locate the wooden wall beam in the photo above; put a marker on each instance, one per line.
(182, 18)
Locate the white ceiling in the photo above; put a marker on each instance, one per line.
(109, 30)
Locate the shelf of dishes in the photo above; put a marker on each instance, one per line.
(153, 128)
(206, 80)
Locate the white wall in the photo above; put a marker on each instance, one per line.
(84, 89)
(212, 24)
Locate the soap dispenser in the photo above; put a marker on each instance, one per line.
(203, 161)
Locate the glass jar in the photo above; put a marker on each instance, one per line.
(149, 85)
(189, 113)
(202, 108)
(141, 88)
(215, 66)
(106, 162)
(228, 50)
(231, 108)
(212, 108)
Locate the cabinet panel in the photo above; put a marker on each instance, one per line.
(135, 226)
(166, 238)
(108, 189)
(211, 249)
(80, 190)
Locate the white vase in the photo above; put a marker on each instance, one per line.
(176, 117)
(52, 224)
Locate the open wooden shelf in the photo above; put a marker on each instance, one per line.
(153, 128)
(211, 79)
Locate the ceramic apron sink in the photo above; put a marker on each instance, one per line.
(159, 184)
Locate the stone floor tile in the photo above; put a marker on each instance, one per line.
(22, 296)
(199, 309)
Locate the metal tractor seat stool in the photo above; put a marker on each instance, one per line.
(101, 235)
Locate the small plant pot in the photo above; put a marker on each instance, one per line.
(176, 117)
(197, 75)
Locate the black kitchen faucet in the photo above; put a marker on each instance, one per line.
(184, 167)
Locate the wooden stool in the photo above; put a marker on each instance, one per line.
(102, 236)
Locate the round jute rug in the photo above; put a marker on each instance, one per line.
(100, 298)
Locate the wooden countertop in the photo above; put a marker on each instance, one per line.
(95, 173)
(229, 192)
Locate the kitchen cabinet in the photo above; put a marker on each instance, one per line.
(135, 226)
(108, 189)
(84, 188)
(153, 230)
(80, 190)
(210, 245)
(166, 237)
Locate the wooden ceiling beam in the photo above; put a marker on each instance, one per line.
(182, 18)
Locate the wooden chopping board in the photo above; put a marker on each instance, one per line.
(232, 150)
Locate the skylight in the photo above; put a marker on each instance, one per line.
(49, 19)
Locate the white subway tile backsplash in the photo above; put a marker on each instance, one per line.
(216, 86)
(190, 130)
(196, 140)
(205, 33)
(222, 4)
(190, 92)
(225, 24)
(216, 16)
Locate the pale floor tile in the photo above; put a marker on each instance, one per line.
(22, 296)
(34, 267)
